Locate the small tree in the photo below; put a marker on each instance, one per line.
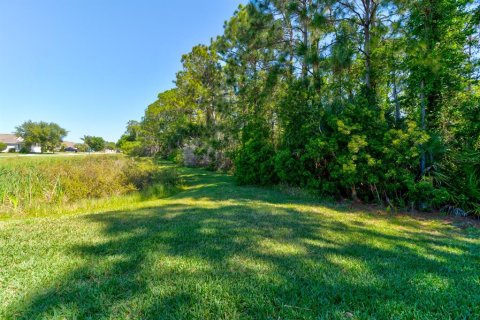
(94, 143)
(81, 147)
(3, 146)
(48, 135)
(110, 146)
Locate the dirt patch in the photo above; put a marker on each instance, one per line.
(459, 222)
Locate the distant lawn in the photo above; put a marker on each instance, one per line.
(8, 155)
(219, 251)
(58, 154)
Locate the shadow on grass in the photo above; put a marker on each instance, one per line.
(221, 251)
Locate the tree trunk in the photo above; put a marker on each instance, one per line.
(368, 61)
(395, 99)
(304, 62)
(354, 194)
(305, 39)
(422, 124)
(369, 18)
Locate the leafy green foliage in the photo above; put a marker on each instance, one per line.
(460, 174)
(81, 147)
(376, 101)
(254, 163)
(94, 143)
(48, 135)
(3, 146)
(110, 145)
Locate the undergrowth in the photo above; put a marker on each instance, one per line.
(36, 185)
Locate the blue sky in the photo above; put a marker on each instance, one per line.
(92, 65)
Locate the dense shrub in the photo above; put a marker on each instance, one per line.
(255, 160)
(132, 148)
(424, 195)
(144, 173)
(388, 116)
(460, 174)
(24, 150)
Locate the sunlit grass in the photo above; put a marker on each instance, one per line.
(219, 251)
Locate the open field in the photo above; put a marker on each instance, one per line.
(219, 251)
(57, 154)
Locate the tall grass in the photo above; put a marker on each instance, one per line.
(29, 185)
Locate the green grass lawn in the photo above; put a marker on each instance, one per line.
(219, 251)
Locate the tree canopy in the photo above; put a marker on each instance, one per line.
(94, 143)
(48, 135)
(373, 100)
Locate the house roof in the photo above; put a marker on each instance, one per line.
(69, 144)
(10, 138)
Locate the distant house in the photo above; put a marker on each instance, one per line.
(16, 143)
(69, 146)
(12, 142)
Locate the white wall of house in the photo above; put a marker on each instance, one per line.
(36, 148)
(18, 146)
(16, 143)
(12, 141)
(15, 146)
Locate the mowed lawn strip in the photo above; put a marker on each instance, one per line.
(220, 251)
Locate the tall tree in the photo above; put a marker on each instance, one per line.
(48, 135)
(94, 143)
(346, 97)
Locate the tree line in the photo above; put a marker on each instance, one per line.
(49, 136)
(372, 100)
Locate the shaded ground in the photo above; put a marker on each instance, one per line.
(219, 251)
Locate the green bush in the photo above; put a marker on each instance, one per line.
(460, 174)
(255, 161)
(143, 173)
(177, 157)
(287, 167)
(426, 196)
(24, 150)
(133, 148)
(3, 146)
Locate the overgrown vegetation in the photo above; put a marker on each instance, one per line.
(221, 251)
(377, 101)
(33, 185)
